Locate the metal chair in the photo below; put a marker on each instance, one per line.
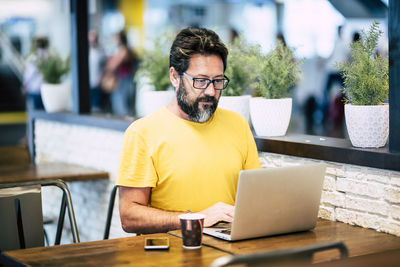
(22, 226)
(288, 257)
(110, 212)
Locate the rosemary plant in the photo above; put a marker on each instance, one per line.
(366, 77)
(278, 72)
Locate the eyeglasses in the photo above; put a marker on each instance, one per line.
(203, 83)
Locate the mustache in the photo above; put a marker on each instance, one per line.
(207, 99)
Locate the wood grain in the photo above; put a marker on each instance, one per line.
(359, 241)
(116, 252)
(387, 259)
(47, 171)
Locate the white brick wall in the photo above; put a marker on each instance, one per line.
(355, 195)
(352, 194)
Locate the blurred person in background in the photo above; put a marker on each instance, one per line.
(120, 70)
(340, 53)
(32, 79)
(336, 105)
(97, 60)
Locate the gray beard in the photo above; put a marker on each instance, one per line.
(192, 109)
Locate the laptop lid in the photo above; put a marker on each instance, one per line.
(273, 201)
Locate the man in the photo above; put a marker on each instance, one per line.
(187, 155)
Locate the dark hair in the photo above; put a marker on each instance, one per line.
(40, 43)
(356, 36)
(122, 38)
(191, 41)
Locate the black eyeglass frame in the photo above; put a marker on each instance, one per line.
(208, 83)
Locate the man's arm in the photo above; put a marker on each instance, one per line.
(138, 217)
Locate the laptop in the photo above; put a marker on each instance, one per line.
(272, 201)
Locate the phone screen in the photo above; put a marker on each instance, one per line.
(156, 243)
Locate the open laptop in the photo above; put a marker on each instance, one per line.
(273, 201)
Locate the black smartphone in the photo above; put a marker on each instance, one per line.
(151, 243)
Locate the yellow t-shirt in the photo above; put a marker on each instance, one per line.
(189, 165)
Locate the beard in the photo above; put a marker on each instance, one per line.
(192, 108)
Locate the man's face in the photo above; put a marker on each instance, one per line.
(200, 104)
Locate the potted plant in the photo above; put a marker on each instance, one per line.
(271, 109)
(55, 94)
(366, 87)
(242, 70)
(152, 76)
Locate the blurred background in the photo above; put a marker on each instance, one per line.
(319, 30)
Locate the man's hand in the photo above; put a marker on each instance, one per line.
(218, 212)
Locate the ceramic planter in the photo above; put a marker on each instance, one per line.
(56, 97)
(239, 104)
(270, 117)
(367, 126)
(154, 100)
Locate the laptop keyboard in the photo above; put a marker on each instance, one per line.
(225, 231)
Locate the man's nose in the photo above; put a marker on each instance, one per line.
(210, 90)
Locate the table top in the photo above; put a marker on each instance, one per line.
(364, 246)
(358, 240)
(389, 258)
(48, 171)
(127, 251)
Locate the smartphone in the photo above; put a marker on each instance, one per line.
(156, 243)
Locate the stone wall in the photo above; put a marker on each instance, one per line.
(352, 194)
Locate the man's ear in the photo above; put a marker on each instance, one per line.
(174, 77)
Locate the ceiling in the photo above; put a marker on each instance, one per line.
(361, 8)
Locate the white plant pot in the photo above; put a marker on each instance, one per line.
(270, 117)
(56, 97)
(239, 104)
(154, 100)
(368, 126)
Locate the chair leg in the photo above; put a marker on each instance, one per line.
(60, 223)
(71, 214)
(110, 212)
(66, 201)
(46, 238)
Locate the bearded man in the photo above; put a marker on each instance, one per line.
(187, 155)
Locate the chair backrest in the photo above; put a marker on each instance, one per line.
(21, 223)
(288, 257)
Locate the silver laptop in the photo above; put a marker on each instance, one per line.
(272, 201)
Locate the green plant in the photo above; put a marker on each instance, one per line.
(241, 67)
(366, 78)
(155, 63)
(53, 67)
(278, 72)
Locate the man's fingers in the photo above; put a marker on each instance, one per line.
(227, 218)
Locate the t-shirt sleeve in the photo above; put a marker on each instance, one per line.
(252, 161)
(136, 168)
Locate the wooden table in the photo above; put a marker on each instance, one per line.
(359, 241)
(48, 171)
(127, 251)
(389, 258)
(366, 247)
(51, 174)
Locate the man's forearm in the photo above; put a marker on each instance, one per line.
(145, 220)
